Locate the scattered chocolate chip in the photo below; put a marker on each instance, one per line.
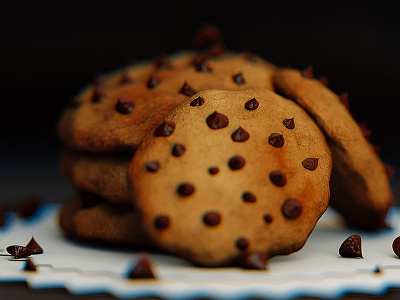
(203, 67)
(152, 82)
(238, 78)
(288, 123)
(310, 163)
(185, 189)
(199, 101)
(29, 265)
(217, 120)
(324, 80)
(250, 56)
(249, 197)
(213, 170)
(254, 261)
(396, 246)
(277, 178)
(153, 166)
(237, 162)
(291, 208)
(165, 129)
(240, 135)
(308, 72)
(18, 251)
(351, 247)
(161, 222)
(252, 104)
(178, 150)
(162, 62)
(212, 218)
(344, 98)
(187, 90)
(125, 106)
(276, 140)
(97, 95)
(28, 206)
(142, 269)
(268, 218)
(34, 247)
(125, 79)
(242, 243)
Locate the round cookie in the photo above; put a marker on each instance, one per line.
(102, 174)
(115, 112)
(230, 173)
(360, 188)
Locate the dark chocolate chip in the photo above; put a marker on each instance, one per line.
(252, 104)
(310, 163)
(162, 62)
(242, 243)
(238, 78)
(142, 269)
(351, 247)
(254, 261)
(288, 123)
(153, 166)
(28, 206)
(203, 67)
(29, 265)
(125, 106)
(34, 247)
(249, 197)
(250, 56)
(199, 101)
(217, 120)
(240, 135)
(161, 222)
(18, 251)
(178, 150)
(396, 246)
(212, 218)
(165, 129)
(207, 35)
(344, 98)
(277, 178)
(99, 80)
(213, 170)
(291, 208)
(152, 82)
(97, 95)
(364, 130)
(187, 90)
(125, 79)
(268, 218)
(276, 140)
(308, 72)
(185, 189)
(324, 80)
(237, 162)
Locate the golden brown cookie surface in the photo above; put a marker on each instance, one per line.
(360, 188)
(231, 172)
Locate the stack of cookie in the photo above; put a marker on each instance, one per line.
(218, 157)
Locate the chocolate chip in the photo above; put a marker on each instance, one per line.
(187, 90)
(250, 56)
(310, 163)
(213, 170)
(125, 106)
(344, 98)
(324, 80)
(268, 218)
(142, 269)
(277, 178)
(242, 243)
(18, 251)
(396, 246)
(252, 104)
(237, 162)
(28, 206)
(212, 218)
(161, 222)
(203, 67)
(240, 135)
(308, 72)
(100, 79)
(351, 247)
(152, 82)
(291, 208)
(162, 62)
(185, 189)
(208, 34)
(34, 247)
(249, 197)
(238, 78)
(97, 95)
(288, 123)
(29, 265)
(165, 129)
(153, 166)
(125, 79)
(217, 120)
(276, 140)
(254, 261)
(178, 150)
(199, 101)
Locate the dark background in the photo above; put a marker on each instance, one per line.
(50, 49)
